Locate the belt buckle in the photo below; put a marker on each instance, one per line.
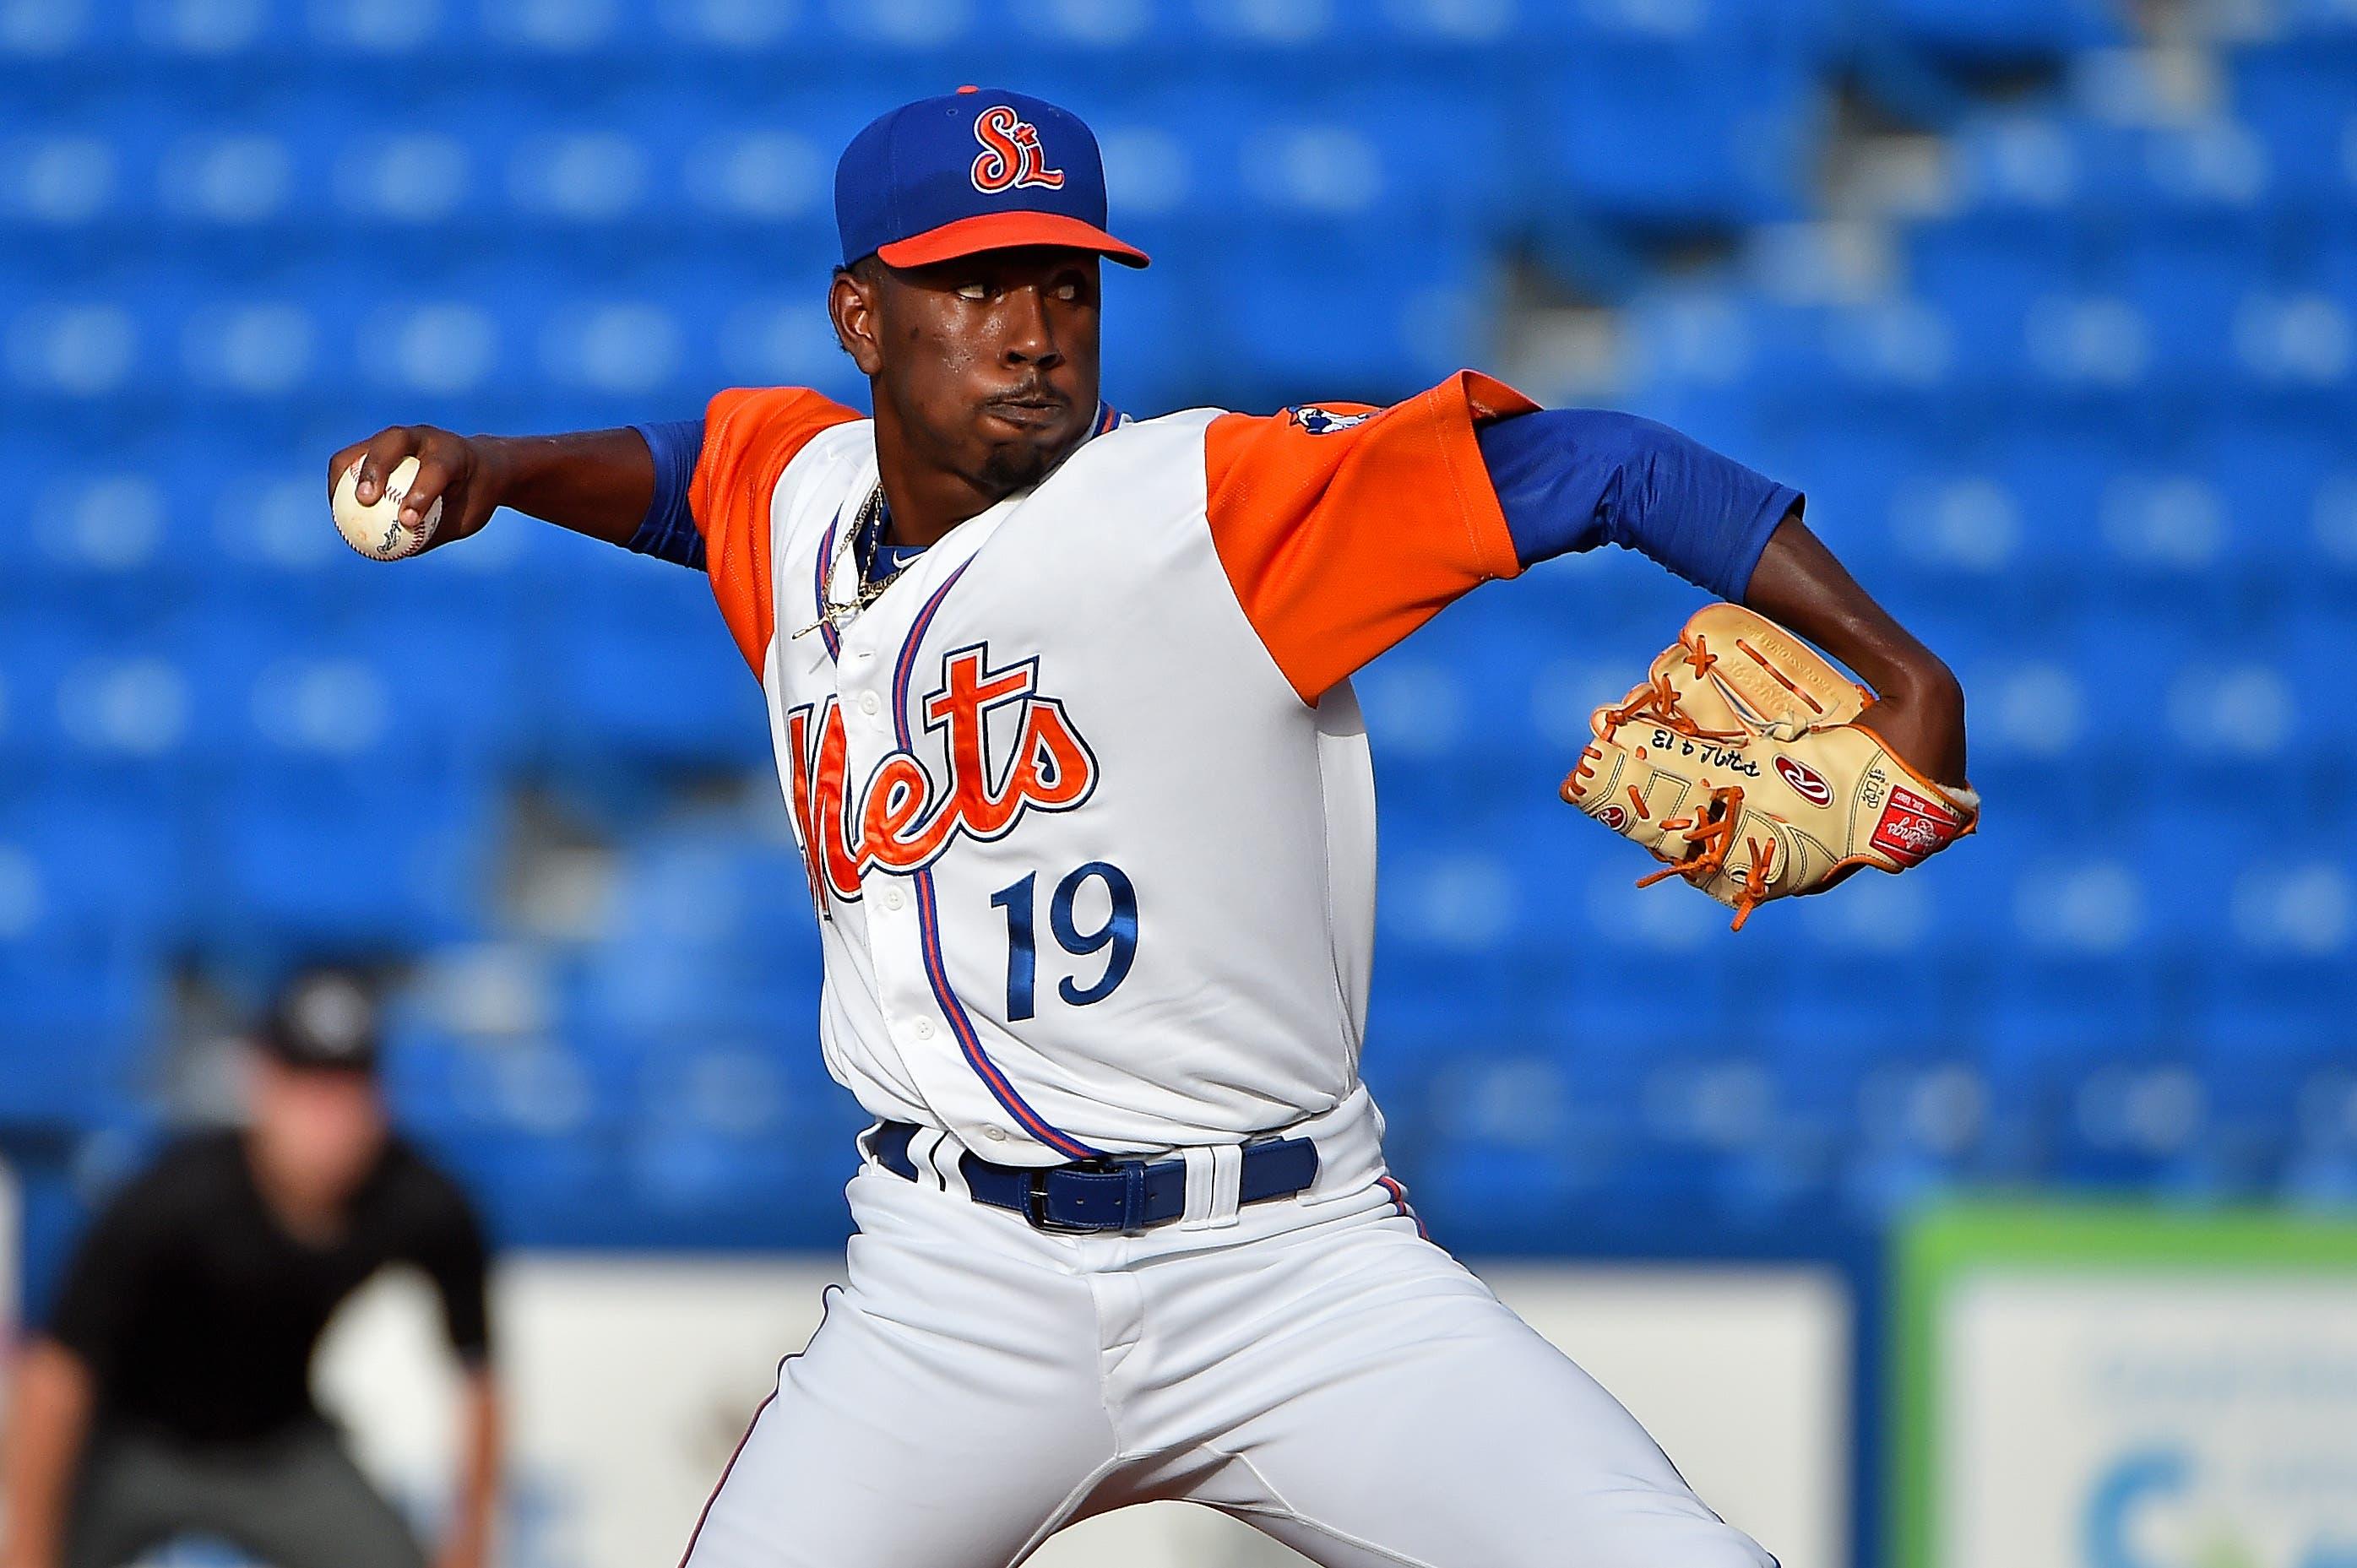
(1034, 1208)
(1133, 1198)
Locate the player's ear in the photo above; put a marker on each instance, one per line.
(851, 304)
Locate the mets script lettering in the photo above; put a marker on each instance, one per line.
(900, 819)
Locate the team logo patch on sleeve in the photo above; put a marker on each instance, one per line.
(1319, 421)
(1010, 154)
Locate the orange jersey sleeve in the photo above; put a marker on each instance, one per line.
(750, 436)
(1343, 528)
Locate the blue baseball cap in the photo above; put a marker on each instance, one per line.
(977, 169)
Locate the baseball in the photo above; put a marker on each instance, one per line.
(377, 530)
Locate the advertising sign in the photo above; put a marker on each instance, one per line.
(2116, 1388)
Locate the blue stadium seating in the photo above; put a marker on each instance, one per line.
(2088, 431)
(1647, 132)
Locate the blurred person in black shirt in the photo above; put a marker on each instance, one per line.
(170, 1393)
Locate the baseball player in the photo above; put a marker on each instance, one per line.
(1063, 721)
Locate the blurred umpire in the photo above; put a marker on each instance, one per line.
(170, 1393)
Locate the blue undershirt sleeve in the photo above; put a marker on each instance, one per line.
(1570, 480)
(669, 530)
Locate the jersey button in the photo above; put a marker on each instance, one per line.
(924, 1028)
(893, 898)
(996, 1135)
(867, 703)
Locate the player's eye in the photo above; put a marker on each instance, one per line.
(974, 290)
(1068, 290)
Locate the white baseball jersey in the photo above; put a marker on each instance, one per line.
(1089, 820)
(1085, 798)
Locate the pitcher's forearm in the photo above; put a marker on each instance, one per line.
(598, 482)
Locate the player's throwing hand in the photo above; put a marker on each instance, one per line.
(460, 473)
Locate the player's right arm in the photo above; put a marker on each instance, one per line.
(598, 482)
(695, 491)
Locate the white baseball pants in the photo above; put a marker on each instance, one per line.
(1314, 1367)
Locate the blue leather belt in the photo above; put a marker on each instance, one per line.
(1109, 1193)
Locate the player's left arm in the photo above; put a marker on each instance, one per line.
(1571, 480)
(1918, 708)
(1343, 529)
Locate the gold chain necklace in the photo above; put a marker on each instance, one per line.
(837, 613)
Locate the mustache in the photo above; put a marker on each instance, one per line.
(1032, 392)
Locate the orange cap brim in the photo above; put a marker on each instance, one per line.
(1005, 232)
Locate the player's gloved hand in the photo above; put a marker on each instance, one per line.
(465, 474)
(1750, 766)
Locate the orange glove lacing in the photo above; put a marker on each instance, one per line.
(1657, 701)
(1712, 829)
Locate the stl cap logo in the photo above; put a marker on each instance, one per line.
(1010, 154)
(1807, 781)
(1325, 420)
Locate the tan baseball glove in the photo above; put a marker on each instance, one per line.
(1743, 764)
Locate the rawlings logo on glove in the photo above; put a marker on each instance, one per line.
(1742, 765)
